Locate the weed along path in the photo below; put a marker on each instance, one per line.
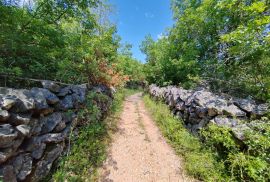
(139, 153)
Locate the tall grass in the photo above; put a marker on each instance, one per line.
(198, 160)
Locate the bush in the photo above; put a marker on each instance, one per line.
(247, 160)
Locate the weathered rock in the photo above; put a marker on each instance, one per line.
(44, 166)
(65, 91)
(66, 103)
(60, 126)
(32, 144)
(234, 111)
(215, 105)
(4, 155)
(49, 96)
(7, 174)
(52, 86)
(24, 129)
(102, 89)
(50, 122)
(4, 115)
(180, 106)
(40, 100)
(69, 117)
(261, 110)
(78, 93)
(24, 100)
(223, 121)
(38, 151)
(7, 135)
(240, 130)
(184, 94)
(201, 112)
(247, 105)
(251, 107)
(36, 126)
(7, 101)
(19, 119)
(22, 165)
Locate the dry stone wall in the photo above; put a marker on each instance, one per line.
(35, 125)
(199, 107)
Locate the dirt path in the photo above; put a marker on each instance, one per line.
(139, 153)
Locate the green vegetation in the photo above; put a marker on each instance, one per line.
(68, 41)
(244, 161)
(216, 155)
(200, 162)
(225, 43)
(89, 144)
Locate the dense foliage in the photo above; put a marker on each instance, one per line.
(70, 41)
(244, 161)
(225, 43)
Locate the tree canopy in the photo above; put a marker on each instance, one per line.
(71, 41)
(225, 43)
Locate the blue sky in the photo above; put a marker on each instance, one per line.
(137, 18)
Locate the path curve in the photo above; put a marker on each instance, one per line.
(139, 153)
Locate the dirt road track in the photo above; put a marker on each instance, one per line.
(139, 153)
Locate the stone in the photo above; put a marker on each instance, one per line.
(7, 135)
(4, 156)
(201, 112)
(180, 106)
(247, 105)
(223, 121)
(49, 96)
(35, 146)
(7, 174)
(24, 130)
(52, 138)
(4, 115)
(40, 100)
(38, 151)
(66, 103)
(68, 117)
(6, 153)
(240, 130)
(19, 119)
(22, 166)
(8, 101)
(36, 126)
(261, 110)
(65, 91)
(102, 89)
(43, 167)
(251, 107)
(21, 99)
(60, 126)
(51, 86)
(234, 111)
(50, 122)
(215, 104)
(184, 94)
